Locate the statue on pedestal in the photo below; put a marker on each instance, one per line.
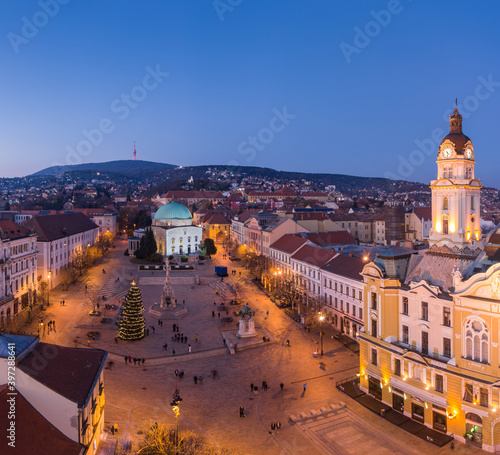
(246, 325)
(167, 296)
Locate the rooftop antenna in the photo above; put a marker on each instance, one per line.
(134, 150)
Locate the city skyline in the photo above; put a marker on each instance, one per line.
(368, 86)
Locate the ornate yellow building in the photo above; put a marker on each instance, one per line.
(430, 345)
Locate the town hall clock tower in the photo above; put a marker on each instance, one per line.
(456, 192)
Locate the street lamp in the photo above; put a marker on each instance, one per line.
(175, 407)
(321, 318)
(48, 290)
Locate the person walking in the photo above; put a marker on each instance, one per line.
(242, 412)
(281, 386)
(267, 313)
(173, 352)
(273, 427)
(213, 314)
(176, 373)
(115, 427)
(185, 339)
(218, 315)
(173, 327)
(251, 387)
(195, 379)
(126, 360)
(196, 338)
(278, 426)
(189, 348)
(305, 386)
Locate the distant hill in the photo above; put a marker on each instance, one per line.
(129, 168)
(344, 183)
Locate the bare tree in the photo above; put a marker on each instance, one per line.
(65, 275)
(160, 440)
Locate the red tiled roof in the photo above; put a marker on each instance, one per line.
(242, 217)
(289, 243)
(314, 255)
(423, 212)
(53, 227)
(347, 266)
(314, 194)
(34, 433)
(304, 216)
(217, 218)
(330, 238)
(180, 194)
(71, 372)
(12, 230)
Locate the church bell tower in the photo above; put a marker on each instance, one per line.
(456, 192)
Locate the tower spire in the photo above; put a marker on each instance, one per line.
(134, 150)
(455, 120)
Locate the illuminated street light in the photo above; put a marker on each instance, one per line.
(48, 290)
(321, 318)
(175, 407)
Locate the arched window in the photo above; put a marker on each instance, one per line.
(476, 340)
(468, 173)
(173, 241)
(445, 203)
(468, 345)
(472, 206)
(445, 224)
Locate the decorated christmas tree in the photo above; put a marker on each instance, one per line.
(132, 321)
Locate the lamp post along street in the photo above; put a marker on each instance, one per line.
(321, 317)
(175, 407)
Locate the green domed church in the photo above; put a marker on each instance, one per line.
(174, 231)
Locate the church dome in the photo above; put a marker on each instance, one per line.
(173, 211)
(456, 135)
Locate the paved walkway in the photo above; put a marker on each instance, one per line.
(138, 394)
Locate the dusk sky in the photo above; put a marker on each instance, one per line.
(315, 86)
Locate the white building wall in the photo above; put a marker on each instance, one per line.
(59, 411)
(343, 299)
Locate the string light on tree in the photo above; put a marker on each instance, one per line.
(132, 323)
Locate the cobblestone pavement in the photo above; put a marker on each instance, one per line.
(135, 394)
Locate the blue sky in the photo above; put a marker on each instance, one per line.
(320, 86)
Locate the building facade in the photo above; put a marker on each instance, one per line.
(18, 266)
(174, 231)
(430, 345)
(60, 237)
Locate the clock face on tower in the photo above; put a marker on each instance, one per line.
(447, 152)
(468, 153)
